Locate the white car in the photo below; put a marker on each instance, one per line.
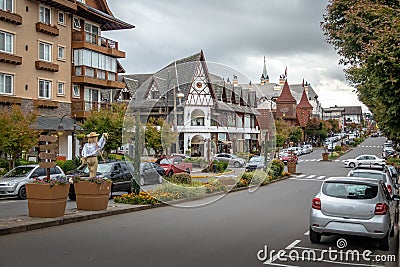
(364, 160)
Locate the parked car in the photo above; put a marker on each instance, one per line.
(388, 152)
(117, 171)
(296, 149)
(392, 172)
(13, 182)
(230, 159)
(376, 173)
(256, 162)
(286, 157)
(149, 173)
(375, 134)
(174, 164)
(308, 148)
(353, 206)
(364, 160)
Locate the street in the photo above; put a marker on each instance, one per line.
(241, 229)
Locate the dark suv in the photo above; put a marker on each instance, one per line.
(117, 171)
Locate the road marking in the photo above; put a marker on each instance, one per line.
(321, 177)
(307, 233)
(294, 243)
(311, 176)
(314, 160)
(301, 176)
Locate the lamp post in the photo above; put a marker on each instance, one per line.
(60, 132)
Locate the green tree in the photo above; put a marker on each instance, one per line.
(168, 136)
(317, 129)
(107, 121)
(366, 34)
(153, 136)
(295, 134)
(17, 133)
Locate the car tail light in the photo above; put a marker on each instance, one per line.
(381, 209)
(390, 189)
(316, 203)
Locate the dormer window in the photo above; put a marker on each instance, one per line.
(154, 93)
(76, 24)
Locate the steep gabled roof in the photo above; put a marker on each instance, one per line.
(286, 96)
(304, 103)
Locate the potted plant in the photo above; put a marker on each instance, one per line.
(47, 198)
(291, 164)
(92, 193)
(325, 154)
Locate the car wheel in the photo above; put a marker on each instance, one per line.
(352, 164)
(315, 237)
(188, 170)
(160, 179)
(141, 181)
(384, 243)
(22, 192)
(236, 164)
(72, 197)
(170, 173)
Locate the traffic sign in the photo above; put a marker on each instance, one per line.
(52, 147)
(48, 138)
(51, 156)
(47, 165)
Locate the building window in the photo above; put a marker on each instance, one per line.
(6, 42)
(45, 52)
(7, 5)
(92, 33)
(45, 15)
(61, 18)
(61, 52)
(44, 89)
(88, 58)
(76, 24)
(61, 88)
(6, 84)
(75, 91)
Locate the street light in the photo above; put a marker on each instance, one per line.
(60, 132)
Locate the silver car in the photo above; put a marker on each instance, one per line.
(230, 159)
(13, 182)
(353, 206)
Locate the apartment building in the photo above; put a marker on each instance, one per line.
(54, 60)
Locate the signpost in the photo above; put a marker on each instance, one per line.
(48, 152)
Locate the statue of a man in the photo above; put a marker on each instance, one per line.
(91, 150)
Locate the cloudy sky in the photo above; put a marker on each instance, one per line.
(237, 34)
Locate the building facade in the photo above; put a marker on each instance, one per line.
(54, 61)
(210, 115)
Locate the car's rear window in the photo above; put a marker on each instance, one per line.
(350, 190)
(372, 175)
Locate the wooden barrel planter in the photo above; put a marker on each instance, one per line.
(92, 196)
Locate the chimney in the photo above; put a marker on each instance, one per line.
(250, 86)
(306, 87)
(267, 79)
(282, 80)
(262, 79)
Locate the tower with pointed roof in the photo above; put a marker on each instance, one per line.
(264, 76)
(286, 104)
(304, 110)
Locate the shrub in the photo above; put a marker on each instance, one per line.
(182, 191)
(221, 166)
(338, 148)
(66, 166)
(180, 178)
(277, 168)
(214, 185)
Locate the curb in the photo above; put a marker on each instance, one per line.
(25, 223)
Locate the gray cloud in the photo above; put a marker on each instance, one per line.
(236, 33)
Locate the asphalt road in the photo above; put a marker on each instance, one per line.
(234, 231)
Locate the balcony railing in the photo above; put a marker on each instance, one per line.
(84, 39)
(83, 108)
(103, 78)
(10, 17)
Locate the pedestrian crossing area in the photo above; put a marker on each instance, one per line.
(317, 160)
(371, 146)
(308, 177)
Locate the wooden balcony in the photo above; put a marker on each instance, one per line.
(43, 65)
(96, 77)
(12, 18)
(84, 40)
(66, 5)
(48, 29)
(10, 59)
(82, 108)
